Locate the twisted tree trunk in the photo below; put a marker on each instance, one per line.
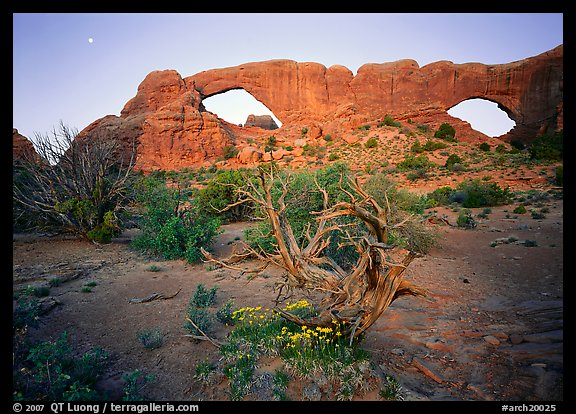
(354, 299)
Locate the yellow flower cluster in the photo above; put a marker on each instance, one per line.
(249, 313)
(308, 337)
(301, 304)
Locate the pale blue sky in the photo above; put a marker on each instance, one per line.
(59, 75)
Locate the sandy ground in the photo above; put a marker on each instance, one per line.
(491, 327)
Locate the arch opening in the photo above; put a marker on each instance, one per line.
(235, 105)
(484, 116)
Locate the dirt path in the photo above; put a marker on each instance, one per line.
(490, 329)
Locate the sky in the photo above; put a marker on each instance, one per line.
(78, 67)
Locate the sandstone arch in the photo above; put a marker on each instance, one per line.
(248, 105)
(497, 114)
(174, 129)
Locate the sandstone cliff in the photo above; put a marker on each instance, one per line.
(174, 130)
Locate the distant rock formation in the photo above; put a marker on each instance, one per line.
(174, 130)
(261, 121)
(22, 147)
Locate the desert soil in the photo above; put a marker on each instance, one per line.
(491, 327)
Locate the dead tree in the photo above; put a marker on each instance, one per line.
(357, 298)
(70, 182)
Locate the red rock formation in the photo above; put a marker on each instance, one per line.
(22, 147)
(261, 121)
(174, 130)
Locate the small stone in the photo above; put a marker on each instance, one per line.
(516, 339)
(501, 336)
(466, 280)
(492, 340)
(397, 351)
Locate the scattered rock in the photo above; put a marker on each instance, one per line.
(426, 370)
(516, 339)
(491, 340)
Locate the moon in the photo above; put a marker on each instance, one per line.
(90, 40)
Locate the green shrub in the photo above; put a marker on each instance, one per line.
(309, 150)
(224, 314)
(484, 147)
(559, 175)
(412, 162)
(172, 229)
(465, 219)
(548, 147)
(221, 191)
(333, 157)
(519, 210)
(202, 318)
(151, 338)
(431, 145)
(423, 128)
(439, 197)
(371, 143)
(500, 149)
(446, 132)
(452, 160)
(50, 371)
(203, 297)
(230, 151)
(389, 121)
(417, 148)
(477, 193)
(327, 138)
(134, 382)
(105, 231)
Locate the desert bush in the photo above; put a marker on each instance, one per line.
(559, 175)
(470, 193)
(423, 128)
(519, 210)
(446, 132)
(548, 147)
(389, 121)
(484, 147)
(452, 160)
(220, 192)
(371, 143)
(203, 297)
(230, 151)
(439, 197)
(465, 219)
(417, 147)
(198, 310)
(151, 338)
(49, 370)
(73, 185)
(173, 225)
(431, 145)
(500, 149)
(303, 198)
(412, 162)
(478, 193)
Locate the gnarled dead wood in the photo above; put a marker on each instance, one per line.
(356, 298)
(153, 296)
